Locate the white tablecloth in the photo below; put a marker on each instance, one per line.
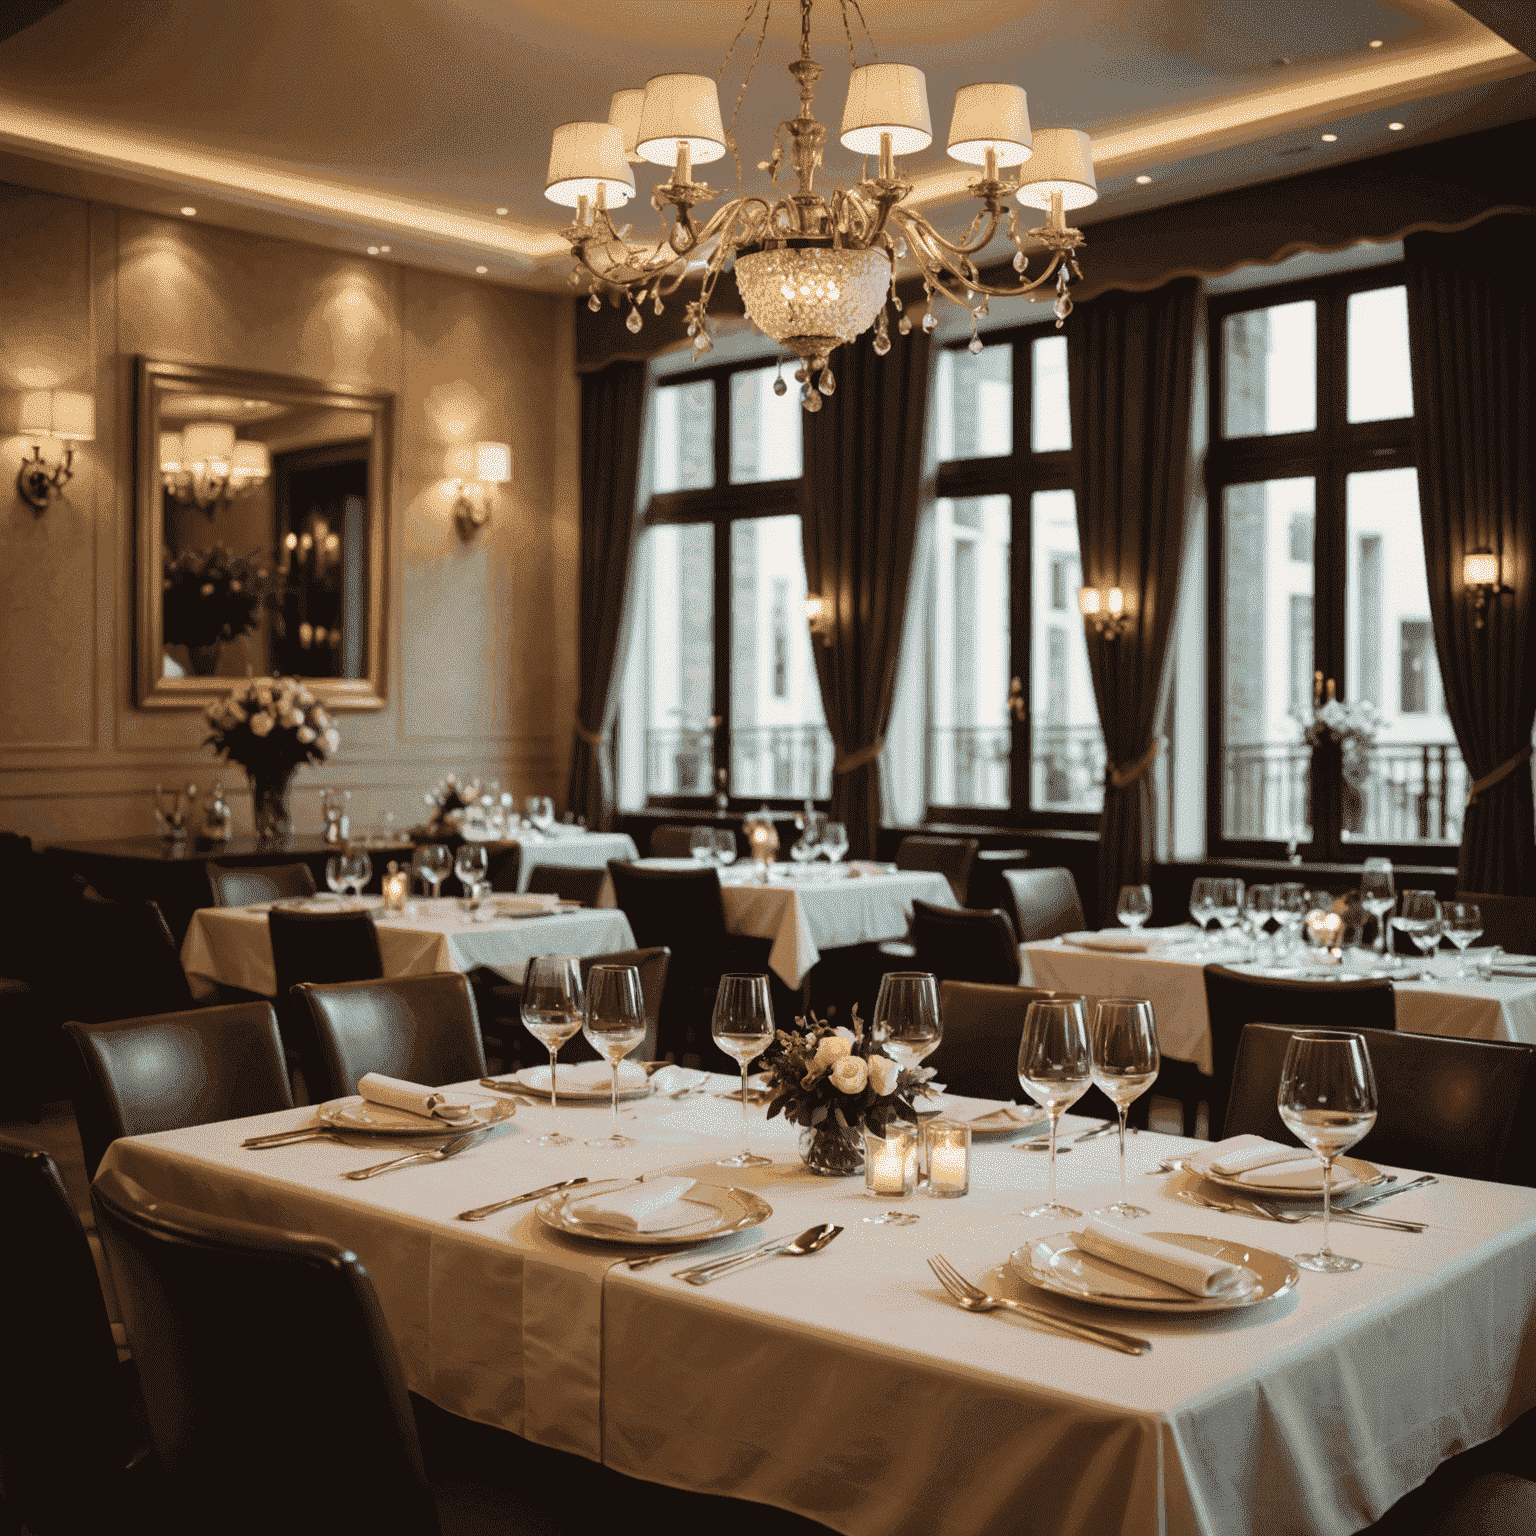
(230, 946)
(805, 914)
(571, 847)
(1174, 983)
(846, 1387)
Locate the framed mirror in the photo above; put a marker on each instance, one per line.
(260, 507)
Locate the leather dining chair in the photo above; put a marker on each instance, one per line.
(320, 947)
(132, 964)
(421, 1028)
(235, 885)
(72, 1451)
(964, 945)
(671, 841)
(1045, 903)
(175, 1069)
(568, 882)
(952, 857)
(1508, 921)
(1458, 1107)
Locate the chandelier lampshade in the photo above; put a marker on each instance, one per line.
(887, 98)
(680, 110)
(205, 465)
(1062, 162)
(990, 116)
(208, 442)
(251, 464)
(170, 452)
(584, 157)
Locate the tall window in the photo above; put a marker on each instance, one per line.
(1319, 587)
(720, 689)
(1002, 616)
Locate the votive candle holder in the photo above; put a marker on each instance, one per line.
(890, 1163)
(948, 1144)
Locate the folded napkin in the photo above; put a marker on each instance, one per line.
(1116, 941)
(1269, 1164)
(526, 901)
(1150, 1256)
(657, 1206)
(593, 1077)
(987, 1113)
(414, 1099)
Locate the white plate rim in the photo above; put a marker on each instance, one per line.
(602, 1095)
(755, 1211)
(489, 1110)
(1365, 1174)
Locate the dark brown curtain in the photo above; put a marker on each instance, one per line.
(1130, 363)
(612, 405)
(1469, 331)
(863, 468)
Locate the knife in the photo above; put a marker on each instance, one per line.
(1386, 1194)
(480, 1212)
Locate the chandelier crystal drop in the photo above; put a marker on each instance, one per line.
(816, 271)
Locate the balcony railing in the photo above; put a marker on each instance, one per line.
(970, 766)
(1410, 792)
(791, 762)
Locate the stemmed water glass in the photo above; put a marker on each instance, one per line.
(472, 866)
(1290, 908)
(1258, 908)
(1328, 1099)
(834, 841)
(725, 848)
(540, 810)
(334, 876)
(906, 1020)
(1461, 922)
(552, 1010)
(1377, 896)
(614, 1025)
(1227, 903)
(1202, 907)
(1134, 906)
(1055, 1069)
(805, 847)
(743, 1028)
(701, 845)
(356, 870)
(1125, 1056)
(1420, 920)
(432, 863)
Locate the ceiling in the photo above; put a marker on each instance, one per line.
(358, 123)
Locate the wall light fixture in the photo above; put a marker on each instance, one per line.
(1480, 576)
(56, 413)
(1105, 611)
(818, 618)
(474, 471)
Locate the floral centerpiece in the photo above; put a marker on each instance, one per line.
(1354, 727)
(271, 725)
(835, 1083)
(212, 595)
(447, 806)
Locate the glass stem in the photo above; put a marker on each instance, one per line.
(1050, 1198)
(614, 1067)
(1327, 1201)
(1124, 1110)
(746, 1124)
(554, 1100)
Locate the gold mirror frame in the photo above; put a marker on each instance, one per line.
(153, 690)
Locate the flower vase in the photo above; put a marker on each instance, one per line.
(832, 1150)
(269, 803)
(204, 659)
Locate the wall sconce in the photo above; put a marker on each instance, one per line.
(1105, 611)
(1480, 576)
(473, 471)
(206, 466)
(52, 413)
(818, 618)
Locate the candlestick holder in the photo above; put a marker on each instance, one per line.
(948, 1144)
(890, 1163)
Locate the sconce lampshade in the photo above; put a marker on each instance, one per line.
(1480, 569)
(206, 442)
(992, 117)
(493, 463)
(170, 452)
(58, 413)
(252, 461)
(887, 98)
(584, 156)
(680, 109)
(1062, 162)
(1088, 601)
(624, 114)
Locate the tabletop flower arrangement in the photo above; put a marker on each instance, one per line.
(1354, 727)
(210, 596)
(270, 726)
(834, 1083)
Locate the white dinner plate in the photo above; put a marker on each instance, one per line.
(588, 1080)
(358, 1115)
(1348, 1173)
(1054, 1263)
(721, 1208)
(1034, 1121)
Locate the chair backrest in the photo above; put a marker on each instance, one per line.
(273, 1389)
(1459, 1107)
(679, 909)
(952, 857)
(983, 1025)
(568, 882)
(323, 947)
(1233, 1000)
(176, 1069)
(236, 885)
(671, 841)
(1508, 921)
(129, 966)
(66, 1430)
(1045, 903)
(652, 965)
(422, 1028)
(964, 945)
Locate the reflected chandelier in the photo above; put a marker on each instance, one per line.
(816, 271)
(206, 466)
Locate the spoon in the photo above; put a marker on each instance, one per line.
(812, 1240)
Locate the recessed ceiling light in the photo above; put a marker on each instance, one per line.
(1396, 127)
(501, 212)
(1142, 181)
(482, 270)
(384, 249)
(1330, 138)
(373, 250)
(1375, 42)
(189, 211)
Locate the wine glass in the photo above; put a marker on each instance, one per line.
(1202, 907)
(1125, 1057)
(357, 868)
(1419, 919)
(834, 841)
(1328, 1099)
(540, 810)
(614, 1025)
(1227, 903)
(1461, 921)
(1377, 895)
(725, 848)
(471, 865)
(743, 1028)
(552, 1009)
(1055, 1069)
(1258, 908)
(701, 845)
(1290, 908)
(334, 876)
(1134, 906)
(906, 1019)
(805, 847)
(432, 863)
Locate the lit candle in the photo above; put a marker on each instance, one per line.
(890, 1162)
(396, 886)
(949, 1158)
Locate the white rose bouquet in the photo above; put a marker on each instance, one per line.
(269, 725)
(818, 1072)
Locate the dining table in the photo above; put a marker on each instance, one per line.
(1431, 998)
(232, 946)
(848, 1387)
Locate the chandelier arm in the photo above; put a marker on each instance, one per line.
(908, 218)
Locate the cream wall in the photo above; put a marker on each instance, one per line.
(481, 637)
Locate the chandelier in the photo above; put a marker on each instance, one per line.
(816, 271)
(205, 466)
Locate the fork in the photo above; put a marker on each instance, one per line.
(436, 1155)
(973, 1299)
(1269, 1212)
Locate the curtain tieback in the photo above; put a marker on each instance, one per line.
(1123, 778)
(861, 757)
(594, 739)
(1503, 771)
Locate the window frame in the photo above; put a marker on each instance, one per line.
(1017, 475)
(1327, 455)
(720, 505)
